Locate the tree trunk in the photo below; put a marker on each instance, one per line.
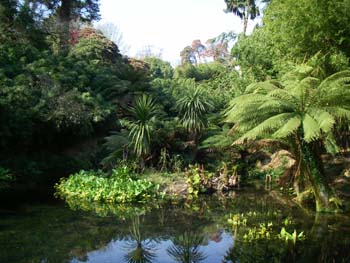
(315, 174)
(142, 163)
(64, 19)
(245, 24)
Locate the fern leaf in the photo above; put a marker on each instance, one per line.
(287, 129)
(266, 126)
(339, 112)
(325, 120)
(311, 128)
(330, 144)
(342, 75)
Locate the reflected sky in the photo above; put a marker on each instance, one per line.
(115, 251)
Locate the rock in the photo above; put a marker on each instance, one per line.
(281, 159)
(179, 188)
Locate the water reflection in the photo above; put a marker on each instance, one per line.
(140, 248)
(186, 248)
(196, 231)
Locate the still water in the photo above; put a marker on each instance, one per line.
(191, 231)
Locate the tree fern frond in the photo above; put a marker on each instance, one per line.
(311, 128)
(330, 144)
(266, 126)
(287, 129)
(116, 141)
(342, 75)
(310, 82)
(338, 112)
(251, 116)
(270, 104)
(325, 120)
(260, 88)
(247, 99)
(286, 96)
(300, 72)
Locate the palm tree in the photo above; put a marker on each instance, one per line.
(244, 9)
(193, 107)
(144, 113)
(302, 110)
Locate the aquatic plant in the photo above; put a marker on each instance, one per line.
(237, 220)
(197, 179)
(264, 231)
(93, 186)
(294, 237)
(255, 226)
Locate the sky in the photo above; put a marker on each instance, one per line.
(168, 25)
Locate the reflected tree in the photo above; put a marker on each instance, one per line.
(185, 248)
(140, 249)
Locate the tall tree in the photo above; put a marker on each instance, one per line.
(217, 47)
(244, 9)
(300, 109)
(63, 12)
(188, 56)
(198, 49)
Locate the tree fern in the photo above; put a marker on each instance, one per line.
(301, 105)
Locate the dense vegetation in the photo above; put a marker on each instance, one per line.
(69, 100)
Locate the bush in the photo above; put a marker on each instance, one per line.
(120, 187)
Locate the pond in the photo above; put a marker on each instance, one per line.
(242, 227)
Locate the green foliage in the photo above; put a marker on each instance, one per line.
(177, 163)
(197, 180)
(262, 232)
(159, 68)
(116, 146)
(163, 160)
(299, 102)
(255, 56)
(205, 71)
(95, 186)
(120, 210)
(293, 237)
(296, 36)
(237, 220)
(301, 109)
(264, 226)
(193, 107)
(143, 112)
(193, 180)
